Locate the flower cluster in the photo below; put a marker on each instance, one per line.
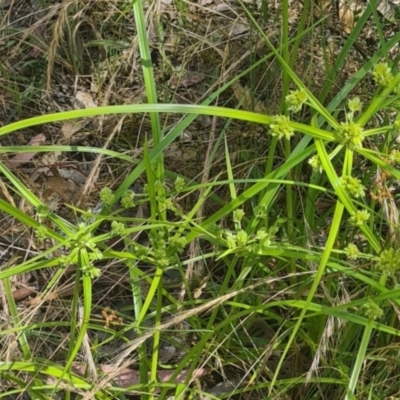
(352, 251)
(179, 184)
(240, 241)
(351, 134)
(41, 233)
(42, 212)
(165, 252)
(107, 196)
(353, 186)
(127, 199)
(354, 105)
(394, 157)
(117, 228)
(296, 99)
(371, 310)
(389, 261)
(382, 74)
(91, 270)
(280, 127)
(238, 215)
(84, 240)
(315, 163)
(359, 217)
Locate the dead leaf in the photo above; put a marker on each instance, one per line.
(187, 80)
(203, 3)
(23, 158)
(127, 377)
(322, 7)
(346, 17)
(70, 128)
(73, 175)
(37, 140)
(244, 96)
(239, 29)
(347, 10)
(67, 190)
(387, 10)
(84, 100)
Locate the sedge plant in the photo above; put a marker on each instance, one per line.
(333, 300)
